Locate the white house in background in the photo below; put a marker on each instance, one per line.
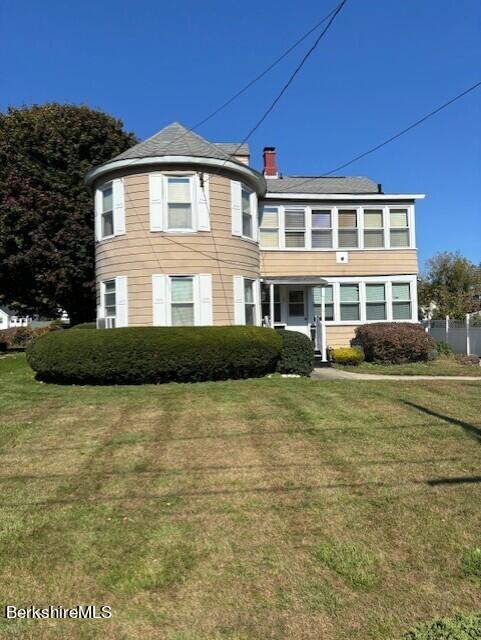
(9, 319)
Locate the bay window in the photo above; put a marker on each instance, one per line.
(182, 301)
(179, 203)
(349, 303)
(321, 229)
(376, 301)
(269, 228)
(348, 229)
(373, 228)
(295, 228)
(399, 227)
(401, 301)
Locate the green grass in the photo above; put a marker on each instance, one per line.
(281, 509)
(438, 367)
(471, 562)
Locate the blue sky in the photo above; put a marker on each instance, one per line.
(383, 64)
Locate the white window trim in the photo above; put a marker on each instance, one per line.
(195, 296)
(240, 319)
(193, 203)
(334, 209)
(118, 209)
(253, 214)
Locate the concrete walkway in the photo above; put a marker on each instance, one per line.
(330, 373)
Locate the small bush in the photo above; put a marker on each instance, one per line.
(444, 348)
(17, 337)
(461, 627)
(139, 355)
(347, 355)
(297, 354)
(394, 342)
(471, 562)
(85, 325)
(469, 360)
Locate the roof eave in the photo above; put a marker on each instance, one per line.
(344, 196)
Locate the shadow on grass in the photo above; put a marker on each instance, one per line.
(470, 429)
(460, 480)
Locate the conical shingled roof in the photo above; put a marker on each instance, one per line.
(175, 140)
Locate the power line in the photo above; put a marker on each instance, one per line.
(395, 136)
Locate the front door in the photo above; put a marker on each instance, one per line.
(297, 311)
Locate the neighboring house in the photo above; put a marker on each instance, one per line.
(9, 319)
(189, 234)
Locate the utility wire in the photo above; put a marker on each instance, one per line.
(395, 136)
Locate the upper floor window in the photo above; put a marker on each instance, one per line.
(247, 226)
(321, 229)
(182, 301)
(179, 203)
(348, 225)
(295, 228)
(269, 227)
(399, 227)
(373, 228)
(107, 211)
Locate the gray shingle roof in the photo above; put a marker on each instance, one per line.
(177, 140)
(230, 147)
(316, 184)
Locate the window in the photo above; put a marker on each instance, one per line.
(321, 223)
(375, 302)
(269, 228)
(182, 301)
(328, 302)
(296, 302)
(373, 228)
(401, 301)
(295, 221)
(347, 220)
(399, 225)
(246, 213)
(110, 307)
(249, 304)
(107, 211)
(179, 203)
(349, 302)
(265, 301)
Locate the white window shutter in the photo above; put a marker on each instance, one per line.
(204, 299)
(236, 207)
(239, 305)
(121, 302)
(100, 308)
(119, 206)
(159, 300)
(203, 203)
(257, 301)
(253, 199)
(155, 201)
(98, 214)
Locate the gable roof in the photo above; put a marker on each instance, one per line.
(319, 184)
(177, 140)
(240, 149)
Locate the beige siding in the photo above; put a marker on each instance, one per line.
(140, 253)
(323, 263)
(339, 336)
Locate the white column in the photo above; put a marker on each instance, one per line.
(271, 303)
(323, 323)
(468, 337)
(446, 328)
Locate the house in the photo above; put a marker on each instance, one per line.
(188, 233)
(10, 319)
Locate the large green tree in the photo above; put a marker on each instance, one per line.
(46, 212)
(453, 284)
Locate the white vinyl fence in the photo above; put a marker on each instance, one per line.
(460, 334)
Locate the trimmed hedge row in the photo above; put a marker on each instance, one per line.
(139, 355)
(297, 353)
(394, 342)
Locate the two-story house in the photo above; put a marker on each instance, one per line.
(188, 233)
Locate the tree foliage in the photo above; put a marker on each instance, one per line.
(453, 284)
(46, 212)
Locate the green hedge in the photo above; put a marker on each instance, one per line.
(85, 325)
(155, 354)
(297, 355)
(461, 627)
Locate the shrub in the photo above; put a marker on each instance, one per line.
(394, 342)
(17, 337)
(444, 348)
(347, 355)
(297, 354)
(469, 360)
(461, 627)
(139, 355)
(85, 325)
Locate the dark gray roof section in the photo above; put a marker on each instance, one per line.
(231, 147)
(316, 184)
(177, 140)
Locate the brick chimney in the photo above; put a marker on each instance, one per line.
(270, 167)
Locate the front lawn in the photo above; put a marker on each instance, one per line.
(273, 509)
(438, 367)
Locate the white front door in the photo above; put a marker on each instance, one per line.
(296, 309)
